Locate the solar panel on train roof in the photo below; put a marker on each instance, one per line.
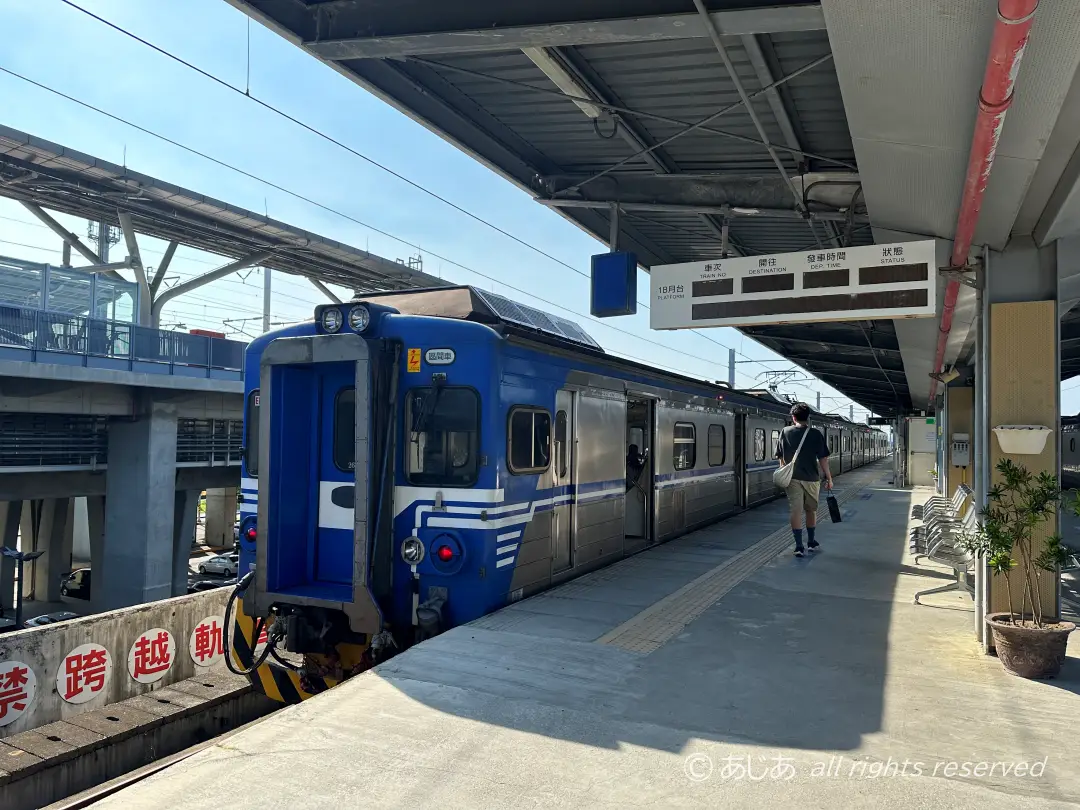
(523, 315)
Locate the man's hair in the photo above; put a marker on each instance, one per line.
(801, 412)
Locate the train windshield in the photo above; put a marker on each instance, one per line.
(444, 437)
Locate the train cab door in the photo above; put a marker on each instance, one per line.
(562, 512)
(332, 558)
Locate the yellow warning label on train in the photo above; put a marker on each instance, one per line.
(414, 360)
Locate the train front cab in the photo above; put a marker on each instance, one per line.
(315, 575)
(343, 484)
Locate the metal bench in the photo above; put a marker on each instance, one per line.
(939, 511)
(944, 549)
(937, 503)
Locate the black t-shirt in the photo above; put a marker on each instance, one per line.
(814, 449)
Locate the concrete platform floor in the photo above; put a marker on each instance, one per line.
(814, 683)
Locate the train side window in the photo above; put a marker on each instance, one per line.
(529, 440)
(560, 443)
(251, 434)
(1072, 449)
(717, 445)
(774, 441)
(443, 437)
(759, 444)
(684, 452)
(344, 439)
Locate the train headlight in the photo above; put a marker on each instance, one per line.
(359, 318)
(331, 319)
(412, 551)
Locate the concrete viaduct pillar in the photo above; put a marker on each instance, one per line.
(220, 517)
(10, 518)
(138, 555)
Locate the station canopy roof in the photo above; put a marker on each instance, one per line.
(61, 179)
(586, 103)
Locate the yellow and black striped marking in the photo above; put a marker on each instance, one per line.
(272, 679)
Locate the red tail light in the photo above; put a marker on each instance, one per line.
(251, 534)
(444, 553)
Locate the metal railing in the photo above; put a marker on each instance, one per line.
(25, 330)
(209, 442)
(33, 441)
(48, 440)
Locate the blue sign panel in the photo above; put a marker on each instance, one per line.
(614, 285)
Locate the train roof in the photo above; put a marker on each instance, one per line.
(468, 303)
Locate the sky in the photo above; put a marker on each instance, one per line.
(55, 45)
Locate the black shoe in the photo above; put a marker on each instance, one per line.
(798, 551)
(813, 545)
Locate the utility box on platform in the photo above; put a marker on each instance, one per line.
(614, 285)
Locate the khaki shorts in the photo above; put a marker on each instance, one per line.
(802, 496)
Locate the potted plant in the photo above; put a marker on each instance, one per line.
(1028, 643)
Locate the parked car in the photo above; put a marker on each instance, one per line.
(50, 618)
(76, 584)
(224, 564)
(208, 585)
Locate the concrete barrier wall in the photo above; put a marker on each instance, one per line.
(53, 673)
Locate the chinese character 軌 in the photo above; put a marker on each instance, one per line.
(208, 641)
(152, 655)
(85, 672)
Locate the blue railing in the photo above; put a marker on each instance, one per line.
(57, 337)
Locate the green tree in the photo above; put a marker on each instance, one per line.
(1005, 538)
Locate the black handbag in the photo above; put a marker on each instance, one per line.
(834, 508)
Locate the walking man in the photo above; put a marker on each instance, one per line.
(811, 465)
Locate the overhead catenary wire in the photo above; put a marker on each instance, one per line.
(310, 201)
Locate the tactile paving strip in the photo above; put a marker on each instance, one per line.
(661, 622)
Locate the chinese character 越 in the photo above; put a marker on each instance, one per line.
(13, 692)
(152, 655)
(208, 641)
(85, 672)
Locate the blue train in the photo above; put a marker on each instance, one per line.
(415, 460)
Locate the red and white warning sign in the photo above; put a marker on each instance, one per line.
(18, 686)
(151, 656)
(83, 673)
(205, 644)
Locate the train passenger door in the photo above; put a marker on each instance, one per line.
(640, 500)
(739, 446)
(563, 482)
